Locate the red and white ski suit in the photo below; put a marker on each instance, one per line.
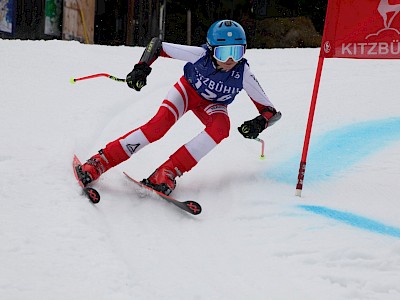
(182, 97)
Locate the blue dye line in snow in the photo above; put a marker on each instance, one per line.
(338, 150)
(353, 220)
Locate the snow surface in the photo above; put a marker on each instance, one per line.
(254, 238)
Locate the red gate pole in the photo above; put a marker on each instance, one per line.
(302, 169)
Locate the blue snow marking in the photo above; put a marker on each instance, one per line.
(353, 220)
(338, 150)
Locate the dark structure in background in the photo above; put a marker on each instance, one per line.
(110, 22)
(127, 22)
(268, 23)
(29, 20)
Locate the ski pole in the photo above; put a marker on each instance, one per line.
(73, 80)
(262, 156)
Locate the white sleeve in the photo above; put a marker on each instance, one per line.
(183, 52)
(253, 88)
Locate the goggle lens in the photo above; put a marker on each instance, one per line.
(223, 53)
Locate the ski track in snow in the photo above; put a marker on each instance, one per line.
(254, 238)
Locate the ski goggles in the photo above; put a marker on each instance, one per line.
(223, 53)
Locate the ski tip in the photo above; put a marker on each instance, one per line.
(72, 80)
(92, 194)
(193, 207)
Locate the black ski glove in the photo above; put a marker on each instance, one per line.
(137, 78)
(252, 128)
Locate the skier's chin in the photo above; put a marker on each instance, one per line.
(227, 66)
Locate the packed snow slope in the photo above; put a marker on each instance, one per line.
(254, 238)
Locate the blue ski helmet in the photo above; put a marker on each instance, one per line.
(226, 32)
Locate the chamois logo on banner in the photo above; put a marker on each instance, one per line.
(388, 13)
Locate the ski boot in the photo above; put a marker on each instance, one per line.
(163, 178)
(93, 168)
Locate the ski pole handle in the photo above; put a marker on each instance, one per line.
(262, 156)
(73, 80)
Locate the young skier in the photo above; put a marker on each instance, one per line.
(213, 75)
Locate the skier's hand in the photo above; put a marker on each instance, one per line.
(138, 77)
(252, 128)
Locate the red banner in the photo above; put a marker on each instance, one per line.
(362, 29)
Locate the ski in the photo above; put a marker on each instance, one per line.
(191, 207)
(92, 194)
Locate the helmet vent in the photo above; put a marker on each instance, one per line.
(225, 32)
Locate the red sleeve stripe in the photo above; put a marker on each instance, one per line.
(164, 54)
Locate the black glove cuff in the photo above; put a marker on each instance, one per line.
(261, 121)
(143, 67)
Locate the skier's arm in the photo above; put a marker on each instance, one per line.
(138, 77)
(268, 114)
(152, 52)
(182, 52)
(158, 48)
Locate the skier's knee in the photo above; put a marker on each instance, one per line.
(218, 133)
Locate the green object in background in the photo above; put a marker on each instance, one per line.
(53, 23)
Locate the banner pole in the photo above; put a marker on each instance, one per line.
(302, 168)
